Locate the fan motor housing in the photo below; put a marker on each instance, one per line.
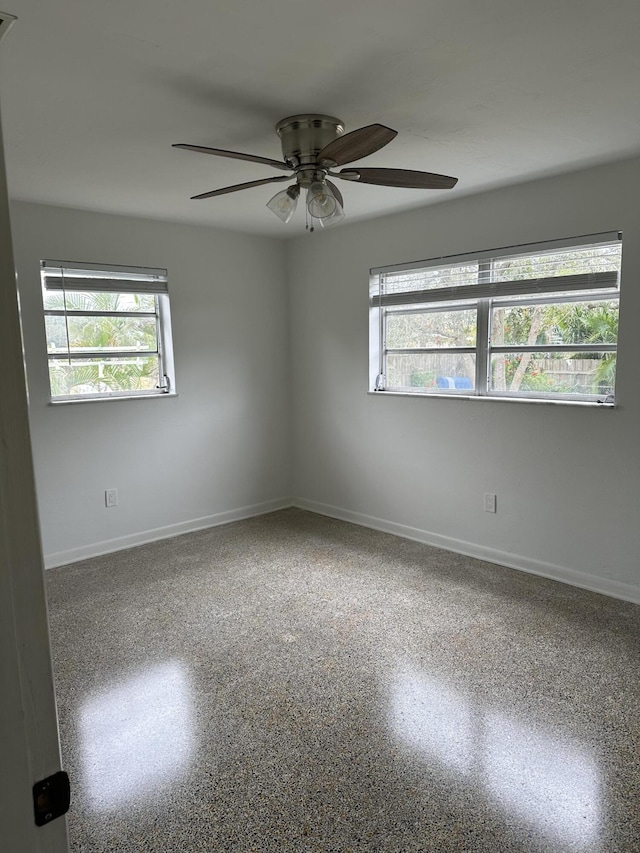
(304, 136)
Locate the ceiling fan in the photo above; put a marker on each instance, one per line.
(312, 146)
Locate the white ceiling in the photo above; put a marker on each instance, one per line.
(492, 91)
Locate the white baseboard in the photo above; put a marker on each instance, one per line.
(594, 583)
(73, 555)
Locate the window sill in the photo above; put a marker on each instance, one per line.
(111, 399)
(592, 404)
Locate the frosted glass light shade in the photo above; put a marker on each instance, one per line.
(336, 216)
(321, 202)
(284, 203)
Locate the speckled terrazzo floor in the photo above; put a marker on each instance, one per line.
(295, 683)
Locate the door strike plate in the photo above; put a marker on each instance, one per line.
(51, 798)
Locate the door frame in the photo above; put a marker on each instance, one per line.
(29, 743)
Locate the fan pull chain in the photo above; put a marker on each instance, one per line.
(306, 214)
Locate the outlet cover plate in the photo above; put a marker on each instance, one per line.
(490, 502)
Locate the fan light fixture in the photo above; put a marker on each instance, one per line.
(323, 205)
(313, 146)
(284, 203)
(321, 202)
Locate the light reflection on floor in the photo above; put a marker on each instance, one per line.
(435, 720)
(137, 736)
(539, 778)
(531, 775)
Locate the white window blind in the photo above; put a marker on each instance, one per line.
(447, 324)
(61, 275)
(108, 330)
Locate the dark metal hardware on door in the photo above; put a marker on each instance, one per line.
(51, 798)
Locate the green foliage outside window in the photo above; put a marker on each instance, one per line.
(123, 348)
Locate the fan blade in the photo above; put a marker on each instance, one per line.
(357, 144)
(399, 178)
(235, 155)
(334, 189)
(246, 186)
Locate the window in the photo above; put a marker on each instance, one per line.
(534, 322)
(108, 331)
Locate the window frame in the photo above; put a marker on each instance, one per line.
(71, 277)
(483, 296)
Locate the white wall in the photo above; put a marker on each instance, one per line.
(567, 477)
(218, 450)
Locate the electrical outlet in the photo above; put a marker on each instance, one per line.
(490, 502)
(111, 497)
